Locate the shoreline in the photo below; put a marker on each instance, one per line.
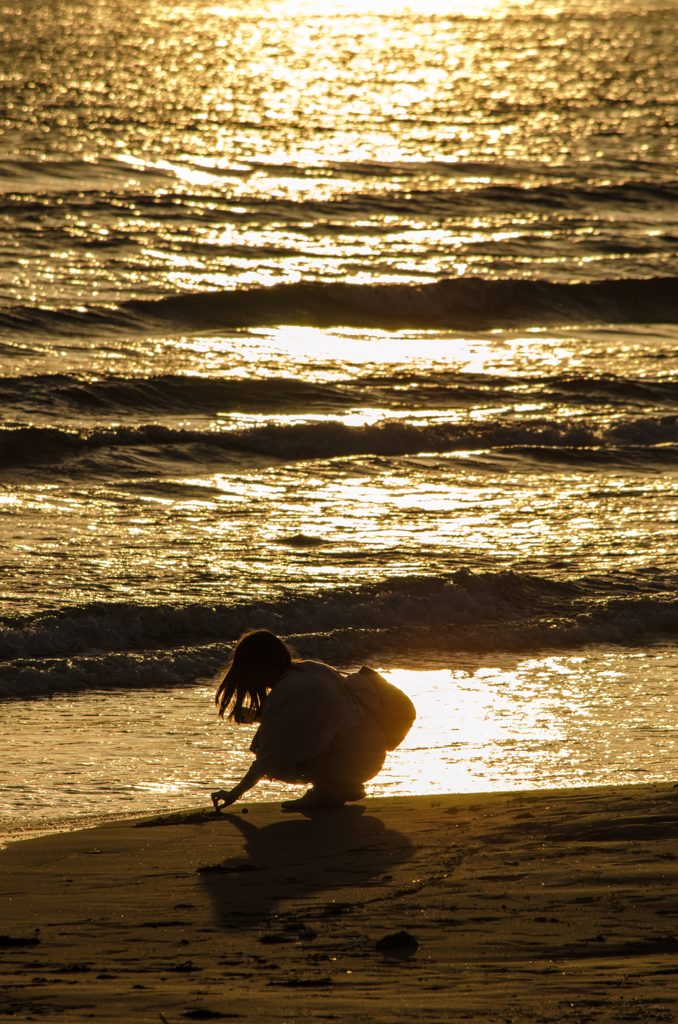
(39, 828)
(559, 904)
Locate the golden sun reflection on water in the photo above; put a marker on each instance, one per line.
(556, 720)
(276, 141)
(338, 8)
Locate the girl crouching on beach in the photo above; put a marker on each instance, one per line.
(316, 726)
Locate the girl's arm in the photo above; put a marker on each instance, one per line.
(224, 798)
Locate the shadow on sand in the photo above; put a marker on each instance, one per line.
(339, 852)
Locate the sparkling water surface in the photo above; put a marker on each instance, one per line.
(170, 475)
(194, 145)
(549, 464)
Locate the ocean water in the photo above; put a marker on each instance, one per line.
(358, 321)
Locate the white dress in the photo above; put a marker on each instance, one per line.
(317, 726)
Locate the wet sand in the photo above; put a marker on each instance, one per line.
(544, 906)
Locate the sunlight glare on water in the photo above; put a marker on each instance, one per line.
(222, 127)
(597, 717)
(338, 8)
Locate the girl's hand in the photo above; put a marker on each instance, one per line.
(222, 798)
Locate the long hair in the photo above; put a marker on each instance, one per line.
(259, 660)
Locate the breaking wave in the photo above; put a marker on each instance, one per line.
(65, 395)
(465, 303)
(170, 394)
(404, 617)
(631, 441)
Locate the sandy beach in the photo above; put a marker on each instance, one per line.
(557, 905)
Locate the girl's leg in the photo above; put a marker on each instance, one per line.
(337, 777)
